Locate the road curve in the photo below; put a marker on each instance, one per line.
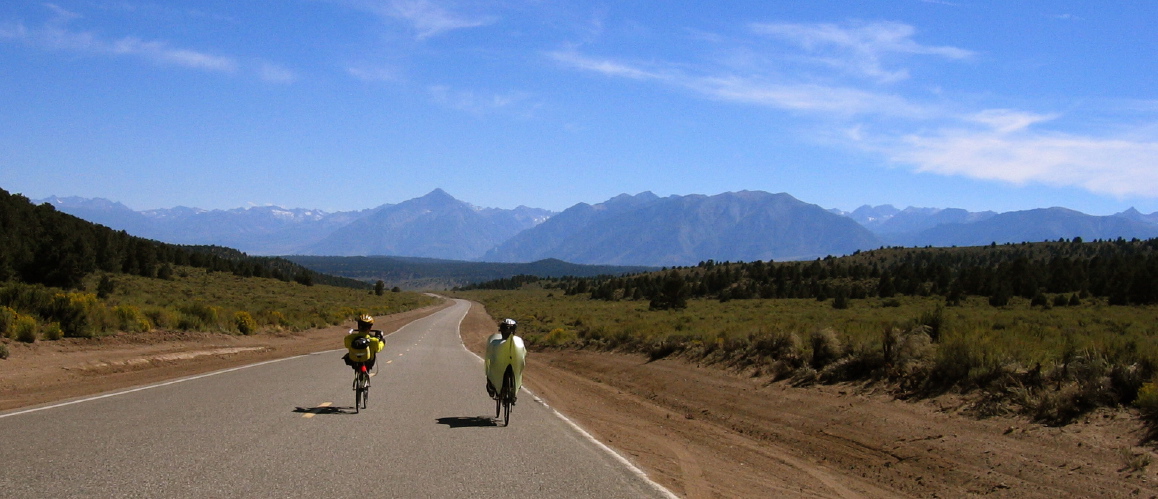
(287, 428)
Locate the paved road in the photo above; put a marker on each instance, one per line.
(287, 429)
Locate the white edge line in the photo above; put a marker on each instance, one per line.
(179, 380)
(614, 454)
(167, 383)
(146, 387)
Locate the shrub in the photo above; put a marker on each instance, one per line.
(77, 314)
(955, 359)
(130, 318)
(934, 322)
(197, 317)
(105, 287)
(779, 345)
(1147, 402)
(245, 323)
(3, 351)
(841, 300)
(24, 329)
(825, 347)
(162, 318)
(915, 346)
(7, 318)
(556, 337)
(51, 332)
(273, 318)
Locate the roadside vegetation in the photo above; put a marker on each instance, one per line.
(61, 276)
(192, 299)
(1074, 325)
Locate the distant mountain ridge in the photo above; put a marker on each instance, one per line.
(436, 225)
(956, 227)
(433, 226)
(642, 229)
(684, 230)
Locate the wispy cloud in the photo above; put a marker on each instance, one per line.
(784, 95)
(858, 48)
(274, 73)
(935, 136)
(605, 67)
(518, 103)
(1010, 150)
(372, 73)
(55, 35)
(427, 17)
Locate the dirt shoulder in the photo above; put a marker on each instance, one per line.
(704, 432)
(48, 371)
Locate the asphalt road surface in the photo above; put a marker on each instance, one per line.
(287, 429)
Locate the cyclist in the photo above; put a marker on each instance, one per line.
(363, 344)
(506, 330)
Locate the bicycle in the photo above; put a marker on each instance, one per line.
(361, 387)
(505, 397)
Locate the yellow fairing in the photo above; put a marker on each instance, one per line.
(501, 354)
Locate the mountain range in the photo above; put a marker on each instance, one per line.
(641, 229)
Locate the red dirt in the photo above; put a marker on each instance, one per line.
(700, 431)
(705, 432)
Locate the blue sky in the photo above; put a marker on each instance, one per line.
(349, 104)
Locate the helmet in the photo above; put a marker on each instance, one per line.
(507, 325)
(365, 321)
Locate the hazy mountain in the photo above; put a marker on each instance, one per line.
(643, 229)
(1133, 214)
(1044, 224)
(104, 212)
(886, 220)
(436, 225)
(262, 230)
(433, 226)
(870, 216)
(684, 230)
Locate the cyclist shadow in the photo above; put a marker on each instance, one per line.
(325, 410)
(467, 421)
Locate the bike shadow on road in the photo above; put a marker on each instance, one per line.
(325, 410)
(467, 421)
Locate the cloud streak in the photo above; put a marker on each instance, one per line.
(426, 17)
(55, 35)
(792, 96)
(52, 37)
(517, 103)
(1002, 145)
(859, 48)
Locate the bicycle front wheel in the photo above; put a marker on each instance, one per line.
(361, 390)
(508, 396)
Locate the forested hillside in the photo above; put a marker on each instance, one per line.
(40, 245)
(61, 276)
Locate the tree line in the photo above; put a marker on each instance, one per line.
(1125, 272)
